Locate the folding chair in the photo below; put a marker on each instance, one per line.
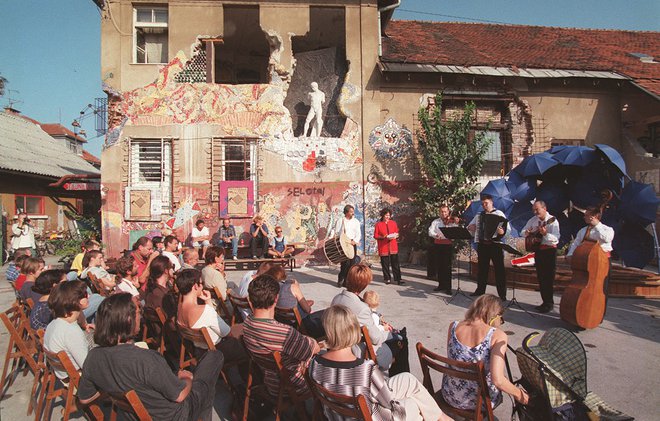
(130, 403)
(13, 316)
(472, 372)
(222, 309)
(240, 304)
(369, 349)
(97, 285)
(291, 317)
(349, 407)
(153, 330)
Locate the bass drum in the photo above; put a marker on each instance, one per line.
(338, 249)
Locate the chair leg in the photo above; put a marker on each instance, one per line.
(45, 379)
(246, 402)
(49, 397)
(69, 406)
(33, 395)
(6, 366)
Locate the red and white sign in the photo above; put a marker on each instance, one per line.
(82, 186)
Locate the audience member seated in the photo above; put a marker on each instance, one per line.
(77, 263)
(479, 338)
(291, 296)
(66, 302)
(117, 366)
(31, 268)
(171, 251)
(158, 244)
(200, 236)
(263, 335)
(227, 237)
(249, 276)
(213, 273)
(14, 267)
(143, 253)
(190, 259)
(278, 245)
(358, 278)
(126, 268)
(258, 236)
(94, 263)
(159, 288)
(41, 315)
(401, 397)
(193, 315)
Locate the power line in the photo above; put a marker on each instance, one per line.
(454, 17)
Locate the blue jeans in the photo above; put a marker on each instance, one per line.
(234, 246)
(95, 301)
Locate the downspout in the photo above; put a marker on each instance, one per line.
(70, 177)
(380, 11)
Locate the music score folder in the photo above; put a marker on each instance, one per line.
(456, 233)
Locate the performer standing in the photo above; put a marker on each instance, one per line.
(350, 226)
(487, 250)
(545, 255)
(386, 233)
(441, 254)
(594, 231)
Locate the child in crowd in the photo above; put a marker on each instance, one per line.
(278, 245)
(14, 267)
(372, 299)
(31, 267)
(77, 264)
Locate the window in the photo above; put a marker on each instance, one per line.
(493, 166)
(32, 205)
(151, 170)
(150, 35)
(232, 160)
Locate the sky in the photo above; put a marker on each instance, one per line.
(50, 49)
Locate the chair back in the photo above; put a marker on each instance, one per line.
(153, 331)
(60, 361)
(189, 337)
(239, 303)
(349, 407)
(97, 285)
(222, 309)
(370, 352)
(129, 402)
(474, 372)
(291, 317)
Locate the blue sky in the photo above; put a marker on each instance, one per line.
(50, 49)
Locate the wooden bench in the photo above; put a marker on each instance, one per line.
(242, 264)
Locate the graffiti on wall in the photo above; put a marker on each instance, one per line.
(390, 141)
(184, 213)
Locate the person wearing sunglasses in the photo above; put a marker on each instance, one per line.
(278, 245)
(479, 337)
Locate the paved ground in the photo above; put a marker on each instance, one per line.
(622, 352)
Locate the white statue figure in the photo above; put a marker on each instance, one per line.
(316, 99)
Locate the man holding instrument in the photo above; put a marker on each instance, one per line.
(488, 249)
(594, 231)
(442, 250)
(546, 227)
(350, 226)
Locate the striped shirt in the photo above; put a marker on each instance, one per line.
(262, 337)
(354, 378)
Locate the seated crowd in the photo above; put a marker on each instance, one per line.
(97, 319)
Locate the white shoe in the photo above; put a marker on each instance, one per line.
(235, 258)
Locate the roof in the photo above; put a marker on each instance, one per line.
(90, 158)
(25, 147)
(517, 47)
(55, 129)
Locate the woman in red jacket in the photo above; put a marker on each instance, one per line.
(386, 233)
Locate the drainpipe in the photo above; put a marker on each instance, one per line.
(380, 11)
(70, 177)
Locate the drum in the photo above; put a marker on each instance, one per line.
(338, 249)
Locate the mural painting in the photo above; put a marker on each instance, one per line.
(390, 141)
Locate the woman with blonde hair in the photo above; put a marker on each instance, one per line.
(479, 337)
(258, 236)
(401, 397)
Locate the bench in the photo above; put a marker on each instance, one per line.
(242, 264)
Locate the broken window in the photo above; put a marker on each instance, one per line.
(150, 34)
(32, 205)
(232, 160)
(242, 57)
(493, 162)
(150, 170)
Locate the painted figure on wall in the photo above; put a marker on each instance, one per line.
(317, 99)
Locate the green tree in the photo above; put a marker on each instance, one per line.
(451, 156)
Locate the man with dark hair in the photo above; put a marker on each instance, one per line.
(350, 226)
(171, 251)
(14, 268)
(126, 268)
(200, 236)
(77, 264)
(143, 253)
(263, 335)
(441, 250)
(117, 365)
(213, 273)
(228, 237)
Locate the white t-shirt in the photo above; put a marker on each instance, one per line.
(64, 336)
(175, 260)
(204, 232)
(245, 283)
(127, 286)
(217, 327)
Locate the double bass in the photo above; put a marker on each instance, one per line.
(583, 301)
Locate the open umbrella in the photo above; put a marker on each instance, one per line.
(554, 196)
(579, 156)
(634, 245)
(472, 210)
(500, 193)
(520, 213)
(521, 188)
(586, 189)
(535, 165)
(612, 156)
(558, 148)
(639, 203)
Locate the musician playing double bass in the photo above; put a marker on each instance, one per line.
(544, 226)
(442, 250)
(350, 226)
(595, 231)
(488, 250)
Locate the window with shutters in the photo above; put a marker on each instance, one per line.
(150, 34)
(232, 160)
(151, 169)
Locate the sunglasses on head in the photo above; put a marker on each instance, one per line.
(500, 316)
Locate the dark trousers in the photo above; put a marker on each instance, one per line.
(441, 260)
(345, 266)
(259, 240)
(485, 254)
(546, 266)
(385, 262)
(202, 394)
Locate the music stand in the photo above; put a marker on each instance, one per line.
(513, 302)
(457, 233)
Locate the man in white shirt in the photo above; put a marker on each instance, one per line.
(546, 255)
(351, 227)
(200, 236)
(594, 231)
(172, 251)
(441, 251)
(488, 250)
(23, 234)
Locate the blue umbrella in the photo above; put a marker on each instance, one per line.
(521, 188)
(472, 210)
(639, 203)
(535, 165)
(575, 155)
(613, 156)
(520, 213)
(554, 196)
(634, 245)
(558, 148)
(500, 193)
(586, 189)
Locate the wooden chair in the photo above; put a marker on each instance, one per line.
(130, 403)
(286, 393)
(239, 303)
(60, 361)
(349, 407)
(370, 353)
(291, 317)
(474, 372)
(154, 322)
(222, 308)
(98, 286)
(14, 318)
